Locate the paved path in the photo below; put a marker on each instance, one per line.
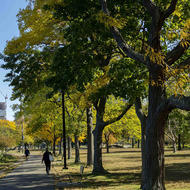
(31, 175)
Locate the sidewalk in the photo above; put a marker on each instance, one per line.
(31, 175)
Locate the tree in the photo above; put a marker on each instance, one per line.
(8, 134)
(87, 51)
(162, 60)
(177, 128)
(127, 127)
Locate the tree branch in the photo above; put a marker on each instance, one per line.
(138, 109)
(173, 102)
(170, 9)
(120, 41)
(183, 65)
(119, 117)
(150, 6)
(180, 102)
(176, 53)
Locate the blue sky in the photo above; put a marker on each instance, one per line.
(8, 30)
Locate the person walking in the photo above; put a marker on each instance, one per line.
(47, 158)
(27, 153)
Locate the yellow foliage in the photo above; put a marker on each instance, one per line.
(37, 27)
(109, 21)
(82, 99)
(8, 124)
(155, 57)
(185, 34)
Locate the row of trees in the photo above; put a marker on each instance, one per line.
(68, 46)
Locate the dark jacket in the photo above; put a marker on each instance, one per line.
(46, 157)
(27, 152)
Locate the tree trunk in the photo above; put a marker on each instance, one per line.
(179, 141)
(143, 140)
(142, 117)
(183, 145)
(155, 126)
(90, 153)
(98, 167)
(98, 131)
(69, 147)
(138, 144)
(54, 140)
(133, 142)
(60, 144)
(107, 146)
(174, 147)
(77, 155)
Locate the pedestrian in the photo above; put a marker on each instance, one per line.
(27, 153)
(47, 158)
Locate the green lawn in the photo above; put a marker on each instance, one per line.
(124, 167)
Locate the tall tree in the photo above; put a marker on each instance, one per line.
(162, 61)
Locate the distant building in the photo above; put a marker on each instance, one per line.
(3, 107)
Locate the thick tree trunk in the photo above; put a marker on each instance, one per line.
(90, 153)
(77, 155)
(98, 131)
(154, 157)
(69, 147)
(98, 167)
(179, 141)
(155, 126)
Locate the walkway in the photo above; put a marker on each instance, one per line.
(30, 175)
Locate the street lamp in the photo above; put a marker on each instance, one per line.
(64, 131)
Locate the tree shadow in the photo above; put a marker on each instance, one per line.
(178, 172)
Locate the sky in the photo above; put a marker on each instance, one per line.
(8, 30)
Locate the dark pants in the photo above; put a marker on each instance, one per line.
(48, 166)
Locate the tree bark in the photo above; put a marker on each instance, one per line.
(98, 131)
(142, 117)
(69, 147)
(107, 143)
(90, 149)
(138, 144)
(155, 125)
(98, 167)
(179, 141)
(133, 142)
(60, 150)
(77, 154)
(54, 140)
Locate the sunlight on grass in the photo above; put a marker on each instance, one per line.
(124, 167)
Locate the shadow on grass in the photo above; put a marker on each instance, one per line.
(178, 155)
(178, 172)
(107, 180)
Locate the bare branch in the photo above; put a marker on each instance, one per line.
(119, 117)
(176, 53)
(120, 41)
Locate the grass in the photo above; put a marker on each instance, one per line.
(8, 163)
(124, 167)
